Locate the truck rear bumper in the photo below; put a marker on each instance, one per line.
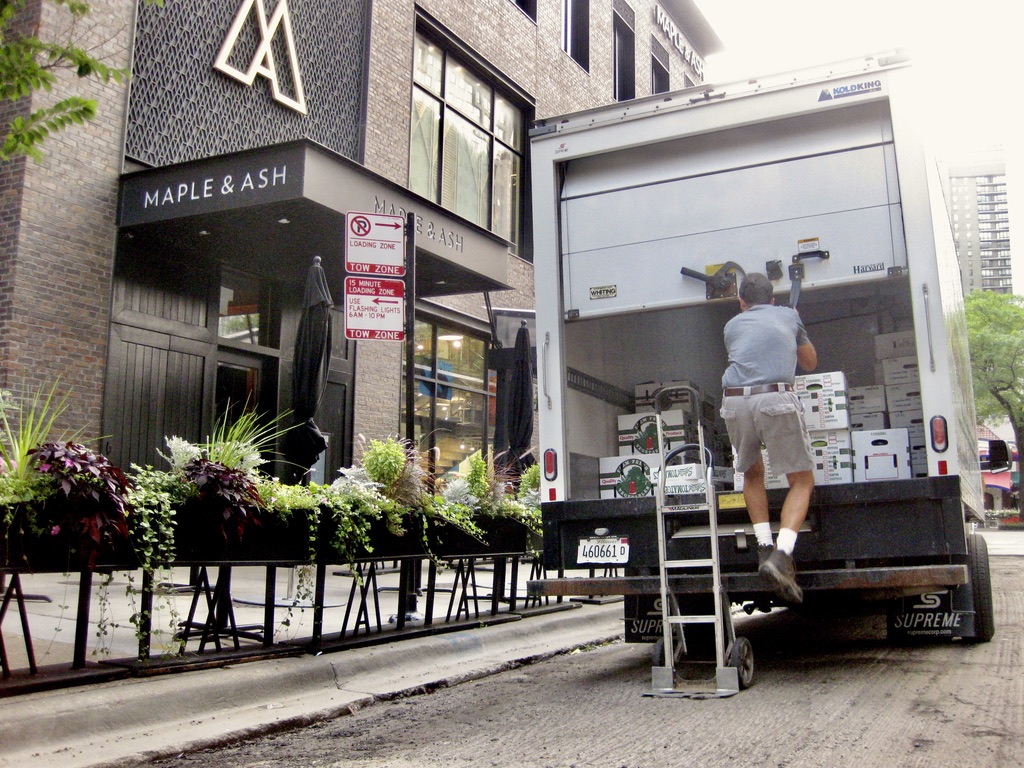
(870, 583)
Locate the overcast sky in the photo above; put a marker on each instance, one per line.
(962, 51)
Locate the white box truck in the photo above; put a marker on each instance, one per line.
(645, 216)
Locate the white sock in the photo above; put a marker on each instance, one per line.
(787, 540)
(763, 532)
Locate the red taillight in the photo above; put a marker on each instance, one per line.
(943, 468)
(550, 464)
(940, 439)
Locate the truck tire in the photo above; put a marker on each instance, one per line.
(981, 589)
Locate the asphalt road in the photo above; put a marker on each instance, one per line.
(829, 691)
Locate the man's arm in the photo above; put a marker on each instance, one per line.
(807, 357)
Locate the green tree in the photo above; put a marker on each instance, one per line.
(29, 64)
(995, 329)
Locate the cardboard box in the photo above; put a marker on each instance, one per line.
(627, 477)
(899, 344)
(638, 432)
(868, 421)
(631, 477)
(866, 399)
(833, 458)
(880, 454)
(903, 397)
(907, 419)
(823, 396)
(900, 370)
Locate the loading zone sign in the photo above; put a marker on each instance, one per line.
(374, 309)
(374, 244)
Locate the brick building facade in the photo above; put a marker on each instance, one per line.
(125, 311)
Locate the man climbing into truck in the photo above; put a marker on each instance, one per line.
(765, 343)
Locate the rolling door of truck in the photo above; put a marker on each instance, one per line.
(750, 194)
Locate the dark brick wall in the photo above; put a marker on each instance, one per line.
(59, 232)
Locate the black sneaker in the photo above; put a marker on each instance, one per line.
(764, 551)
(779, 571)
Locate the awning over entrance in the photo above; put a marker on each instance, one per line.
(272, 209)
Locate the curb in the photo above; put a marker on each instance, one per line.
(124, 721)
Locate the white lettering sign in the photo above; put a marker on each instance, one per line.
(202, 189)
(663, 20)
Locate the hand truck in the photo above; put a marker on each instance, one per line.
(737, 674)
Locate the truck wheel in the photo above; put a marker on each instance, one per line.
(741, 656)
(981, 589)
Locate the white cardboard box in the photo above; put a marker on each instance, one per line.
(880, 454)
(868, 421)
(626, 477)
(869, 399)
(908, 419)
(833, 459)
(630, 477)
(823, 396)
(638, 432)
(900, 370)
(896, 344)
(904, 397)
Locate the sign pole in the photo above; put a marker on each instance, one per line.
(414, 575)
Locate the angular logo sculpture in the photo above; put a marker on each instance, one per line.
(262, 62)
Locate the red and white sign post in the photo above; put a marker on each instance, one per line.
(375, 250)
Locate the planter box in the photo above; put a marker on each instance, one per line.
(199, 538)
(48, 552)
(501, 535)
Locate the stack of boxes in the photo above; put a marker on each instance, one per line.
(857, 434)
(888, 418)
(826, 413)
(633, 472)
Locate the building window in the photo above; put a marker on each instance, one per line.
(576, 31)
(624, 54)
(466, 143)
(246, 315)
(454, 395)
(529, 7)
(659, 68)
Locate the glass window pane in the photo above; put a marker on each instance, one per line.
(465, 186)
(460, 432)
(506, 193)
(508, 123)
(464, 91)
(423, 149)
(242, 309)
(428, 65)
(460, 358)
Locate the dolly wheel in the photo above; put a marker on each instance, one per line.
(741, 656)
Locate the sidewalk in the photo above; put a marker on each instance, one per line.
(120, 722)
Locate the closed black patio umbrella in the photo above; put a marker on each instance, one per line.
(520, 403)
(311, 366)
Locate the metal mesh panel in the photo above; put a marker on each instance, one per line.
(182, 109)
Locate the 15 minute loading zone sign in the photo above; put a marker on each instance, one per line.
(374, 308)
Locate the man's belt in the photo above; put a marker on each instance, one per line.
(758, 389)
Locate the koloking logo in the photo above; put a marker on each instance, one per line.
(262, 62)
(857, 89)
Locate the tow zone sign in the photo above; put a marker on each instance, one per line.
(374, 244)
(374, 308)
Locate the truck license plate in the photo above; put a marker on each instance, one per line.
(607, 549)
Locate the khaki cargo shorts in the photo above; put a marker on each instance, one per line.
(772, 419)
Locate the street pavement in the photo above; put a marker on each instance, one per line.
(121, 722)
